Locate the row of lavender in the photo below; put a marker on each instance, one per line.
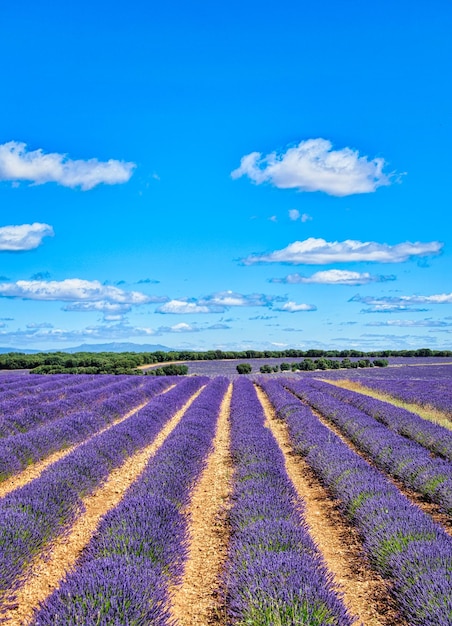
(401, 541)
(401, 457)
(139, 548)
(80, 416)
(28, 408)
(41, 510)
(274, 574)
(27, 387)
(432, 436)
(436, 392)
(10, 384)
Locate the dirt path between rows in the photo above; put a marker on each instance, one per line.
(430, 413)
(431, 508)
(366, 594)
(49, 569)
(195, 600)
(35, 470)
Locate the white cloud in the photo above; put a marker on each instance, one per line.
(231, 298)
(314, 251)
(333, 277)
(111, 308)
(313, 165)
(412, 323)
(17, 163)
(180, 307)
(442, 298)
(217, 303)
(392, 308)
(23, 236)
(72, 290)
(293, 307)
(295, 215)
(181, 328)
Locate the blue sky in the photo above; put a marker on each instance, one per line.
(247, 175)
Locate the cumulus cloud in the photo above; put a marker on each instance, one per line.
(110, 308)
(295, 215)
(293, 307)
(313, 165)
(314, 251)
(333, 277)
(231, 298)
(218, 302)
(73, 290)
(182, 307)
(442, 298)
(393, 308)
(19, 164)
(23, 237)
(178, 328)
(412, 323)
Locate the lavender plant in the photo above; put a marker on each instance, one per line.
(141, 545)
(275, 574)
(34, 514)
(431, 392)
(19, 451)
(402, 542)
(402, 458)
(434, 437)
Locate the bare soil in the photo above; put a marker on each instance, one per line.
(35, 470)
(431, 508)
(195, 600)
(366, 594)
(49, 569)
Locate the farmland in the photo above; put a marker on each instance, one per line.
(227, 500)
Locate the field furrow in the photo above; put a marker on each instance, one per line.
(403, 543)
(43, 509)
(140, 546)
(50, 568)
(195, 600)
(400, 457)
(366, 594)
(20, 451)
(274, 573)
(434, 437)
(34, 471)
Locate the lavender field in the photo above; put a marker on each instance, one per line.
(234, 500)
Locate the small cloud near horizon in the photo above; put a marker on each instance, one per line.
(333, 277)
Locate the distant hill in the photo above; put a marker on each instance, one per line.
(22, 351)
(116, 347)
(98, 347)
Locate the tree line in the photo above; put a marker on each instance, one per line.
(128, 362)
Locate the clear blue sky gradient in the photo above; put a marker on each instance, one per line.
(185, 90)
